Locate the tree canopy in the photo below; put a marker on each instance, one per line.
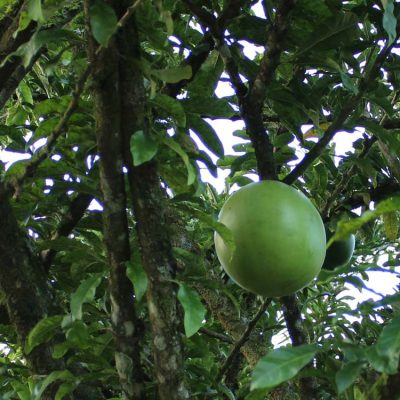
(110, 287)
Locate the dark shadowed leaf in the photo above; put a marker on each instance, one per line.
(346, 376)
(103, 22)
(43, 331)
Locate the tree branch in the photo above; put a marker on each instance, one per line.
(195, 60)
(340, 119)
(216, 335)
(245, 336)
(71, 218)
(30, 166)
(22, 278)
(298, 336)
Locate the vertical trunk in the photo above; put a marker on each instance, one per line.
(116, 235)
(165, 318)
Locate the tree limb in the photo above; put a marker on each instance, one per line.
(245, 336)
(298, 336)
(340, 119)
(70, 219)
(22, 278)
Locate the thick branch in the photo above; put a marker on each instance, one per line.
(298, 336)
(22, 278)
(225, 313)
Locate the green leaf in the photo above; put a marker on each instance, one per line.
(85, 293)
(173, 75)
(171, 107)
(143, 148)
(78, 335)
(345, 228)
(65, 389)
(280, 365)
(283, 139)
(137, 276)
(60, 349)
(211, 107)
(43, 331)
(386, 353)
(103, 22)
(54, 376)
(206, 134)
(346, 376)
(221, 229)
(35, 12)
(389, 20)
(328, 32)
(193, 308)
(191, 171)
(349, 83)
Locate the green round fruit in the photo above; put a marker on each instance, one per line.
(339, 252)
(279, 239)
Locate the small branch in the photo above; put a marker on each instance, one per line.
(195, 60)
(71, 218)
(341, 186)
(10, 85)
(346, 178)
(32, 164)
(339, 121)
(224, 369)
(216, 335)
(202, 14)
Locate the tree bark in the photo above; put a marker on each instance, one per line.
(115, 223)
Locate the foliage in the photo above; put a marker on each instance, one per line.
(318, 68)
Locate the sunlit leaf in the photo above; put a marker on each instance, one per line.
(143, 148)
(280, 365)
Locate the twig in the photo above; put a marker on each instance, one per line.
(224, 369)
(216, 335)
(341, 118)
(32, 164)
(74, 214)
(345, 180)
